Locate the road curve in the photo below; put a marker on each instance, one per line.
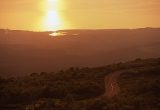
(111, 86)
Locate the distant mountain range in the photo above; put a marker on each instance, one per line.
(23, 52)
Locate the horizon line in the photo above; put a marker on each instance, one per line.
(81, 29)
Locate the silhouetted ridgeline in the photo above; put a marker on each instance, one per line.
(25, 52)
(84, 88)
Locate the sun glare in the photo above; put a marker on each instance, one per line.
(56, 33)
(51, 21)
(52, 0)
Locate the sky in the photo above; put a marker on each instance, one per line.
(42, 15)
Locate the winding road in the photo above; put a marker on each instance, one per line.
(111, 86)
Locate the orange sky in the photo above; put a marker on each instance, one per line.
(42, 15)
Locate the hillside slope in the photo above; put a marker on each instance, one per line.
(84, 88)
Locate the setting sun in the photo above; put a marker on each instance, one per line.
(51, 21)
(51, 0)
(79, 54)
(43, 15)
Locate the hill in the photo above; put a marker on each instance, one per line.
(24, 52)
(86, 88)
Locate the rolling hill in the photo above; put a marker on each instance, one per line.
(24, 52)
(132, 85)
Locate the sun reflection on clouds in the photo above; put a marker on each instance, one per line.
(57, 33)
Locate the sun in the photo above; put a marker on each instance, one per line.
(51, 19)
(52, 0)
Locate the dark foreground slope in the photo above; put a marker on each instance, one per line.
(23, 52)
(84, 89)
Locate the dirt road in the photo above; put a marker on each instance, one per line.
(111, 86)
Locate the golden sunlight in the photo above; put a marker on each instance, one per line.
(51, 21)
(51, 18)
(52, 0)
(56, 33)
